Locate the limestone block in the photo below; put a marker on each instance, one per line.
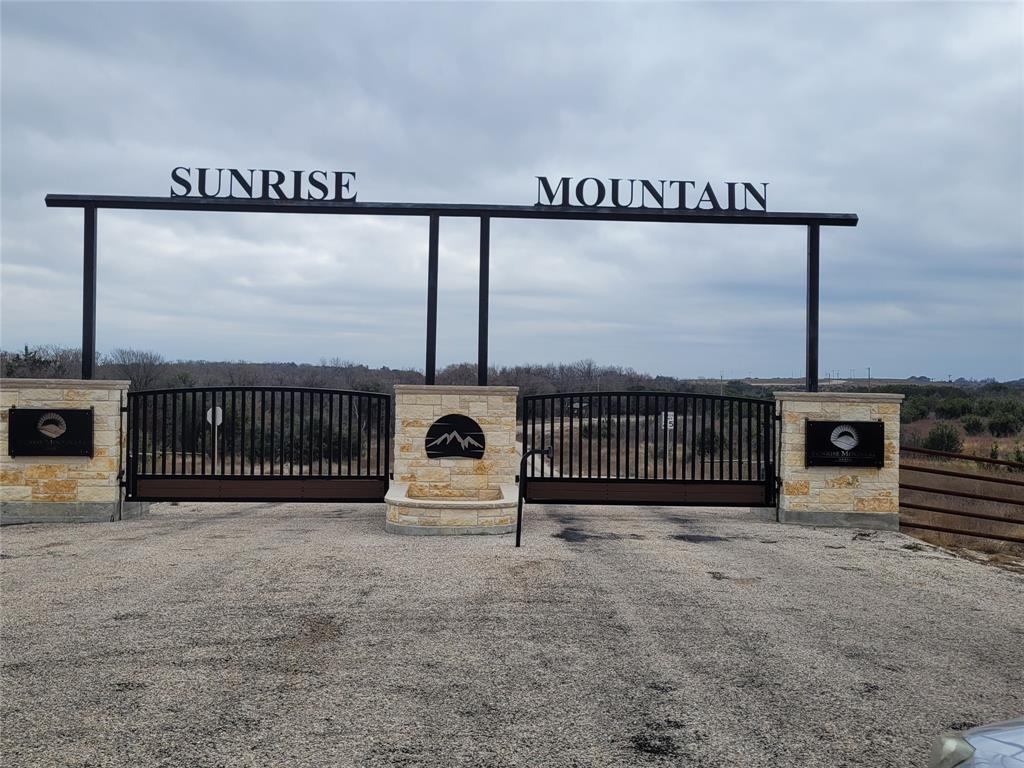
(54, 490)
(97, 493)
(12, 476)
(39, 472)
(87, 395)
(877, 504)
(796, 487)
(15, 492)
(469, 482)
(840, 497)
(843, 481)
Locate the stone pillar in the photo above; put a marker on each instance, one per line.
(861, 497)
(450, 494)
(39, 489)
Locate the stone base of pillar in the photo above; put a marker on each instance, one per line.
(24, 512)
(848, 497)
(425, 517)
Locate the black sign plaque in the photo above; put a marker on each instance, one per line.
(455, 436)
(844, 444)
(49, 432)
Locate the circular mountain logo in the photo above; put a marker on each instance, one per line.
(455, 436)
(844, 437)
(52, 425)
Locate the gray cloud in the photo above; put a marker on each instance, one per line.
(909, 114)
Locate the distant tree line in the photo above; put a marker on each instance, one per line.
(149, 370)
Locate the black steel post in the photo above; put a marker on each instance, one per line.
(89, 294)
(546, 452)
(485, 269)
(432, 300)
(813, 231)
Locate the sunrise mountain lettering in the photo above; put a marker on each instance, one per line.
(664, 194)
(261, 184)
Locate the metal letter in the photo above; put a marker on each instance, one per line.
(563, 186)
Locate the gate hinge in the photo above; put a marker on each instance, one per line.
(124, 409)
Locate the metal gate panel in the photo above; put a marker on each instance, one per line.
(650, 448)
(258, 443)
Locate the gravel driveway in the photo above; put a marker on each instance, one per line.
(301, 635)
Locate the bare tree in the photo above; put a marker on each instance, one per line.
(141, 367)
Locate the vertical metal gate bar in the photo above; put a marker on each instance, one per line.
(320, 435)
(561, 436)
(135, 423)
(263, 432)
(579, 410)
(234, 422)
(291, 433)
(330, 434)
(590, 437)
(703, 436)
(619, 435)
(720, 434)
(636, 436)
(360, 413)
(750, 440)
(647, 436)
(675, 435)
(349, 437)
(600, 432)
(174, 433)
(387, 434)
(202, 431)
(379, 411)
(758, 439)
(155, 431)
(571, 440)
(543, 411)
(664, 439)
(693, 437)
(739, 440)
(241, 434)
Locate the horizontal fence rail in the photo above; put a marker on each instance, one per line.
(258, 443)
(982, 505)
(650, 447)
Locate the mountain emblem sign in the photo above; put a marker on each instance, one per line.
(455, 436)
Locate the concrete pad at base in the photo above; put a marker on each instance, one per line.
(874, 520)
(24, 512)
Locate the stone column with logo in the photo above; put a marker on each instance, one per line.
(455, 460)
(839, 459)
(44, 423)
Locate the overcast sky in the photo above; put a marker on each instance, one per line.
(910, 115)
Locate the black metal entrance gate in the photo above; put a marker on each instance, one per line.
(248, 443)
(650, 448)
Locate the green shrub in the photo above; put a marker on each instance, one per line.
(973, 425)
(1004, 425)
(953, 408)
(914, 409)
(943, 437)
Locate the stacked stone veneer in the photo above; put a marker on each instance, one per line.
(418, 406)
(64, 488)
(847, 496)
(448, 495)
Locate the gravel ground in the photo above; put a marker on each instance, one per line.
(302, 635)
